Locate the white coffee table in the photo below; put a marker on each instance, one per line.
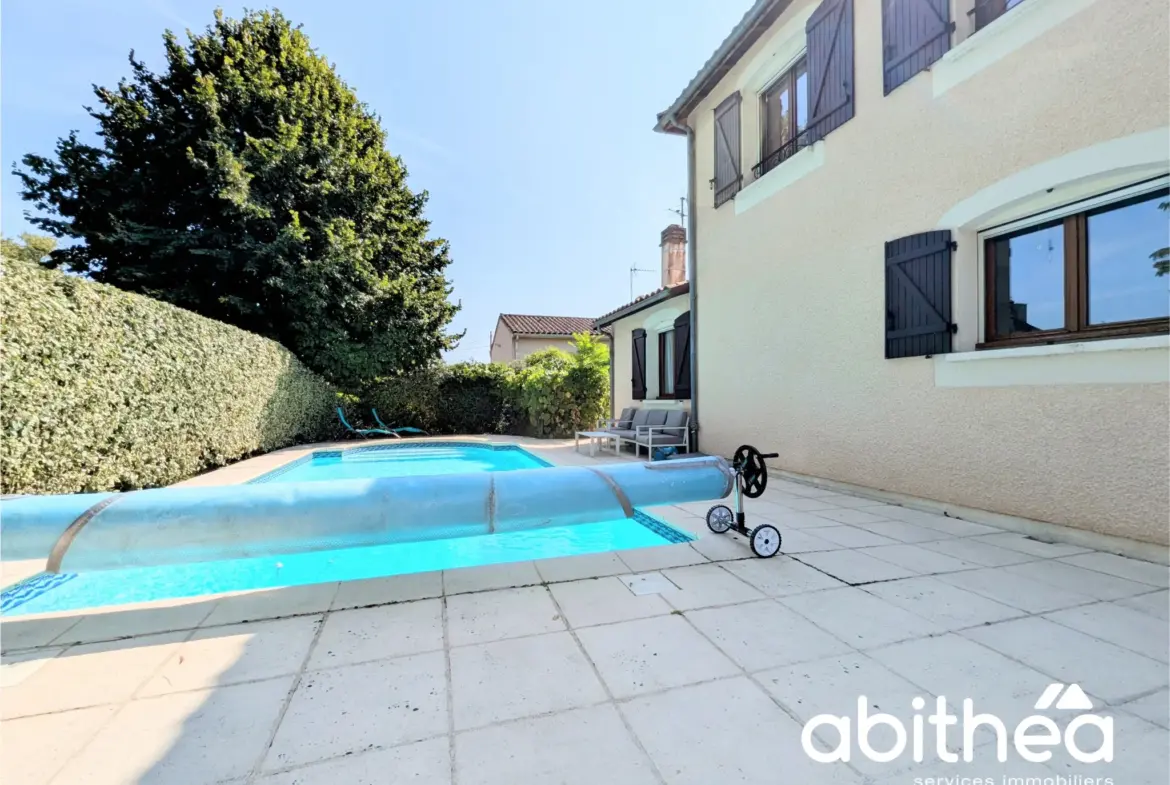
(596, 438)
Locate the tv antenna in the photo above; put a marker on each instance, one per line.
(681, 212)
(636, 269)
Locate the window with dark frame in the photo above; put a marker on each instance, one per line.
(666, 364)
(1102, 272)
(783, 118)
(984, 12)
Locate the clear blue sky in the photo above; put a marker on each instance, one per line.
(528, 121)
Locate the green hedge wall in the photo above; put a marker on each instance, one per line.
(464, 398)
(101, 389)
(551, 393)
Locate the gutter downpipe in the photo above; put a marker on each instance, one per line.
(692, 276)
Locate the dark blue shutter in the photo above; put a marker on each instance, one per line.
(638, 377)
(918, 295)
(915, 33)
(829, 35)
(682, 356)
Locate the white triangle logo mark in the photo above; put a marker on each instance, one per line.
(1074, 698)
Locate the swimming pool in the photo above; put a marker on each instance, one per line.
(68, 591)
(407, 459)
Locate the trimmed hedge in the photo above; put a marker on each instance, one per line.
(467, 398)
(101, 389)
(551, 394)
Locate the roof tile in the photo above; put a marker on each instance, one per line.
(524, 324)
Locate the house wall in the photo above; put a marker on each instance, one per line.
(502, 349)
(1064, 99)
(655, 319)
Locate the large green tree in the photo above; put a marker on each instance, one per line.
(246, 182)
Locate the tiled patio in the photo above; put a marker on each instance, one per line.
(683, 664)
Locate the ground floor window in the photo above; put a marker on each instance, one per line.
(666, 364)
(1100, 270)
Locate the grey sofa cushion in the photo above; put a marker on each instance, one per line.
(623, 433)
(625, 419)
(640, 418)
(677, 417)
(657, 417)
(662, 438)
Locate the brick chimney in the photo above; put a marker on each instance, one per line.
(674, 255)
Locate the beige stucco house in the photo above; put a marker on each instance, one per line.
(518, 335)
(925, 237)
(650, 359)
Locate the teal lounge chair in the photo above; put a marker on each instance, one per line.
(396, 431)
(365, 433)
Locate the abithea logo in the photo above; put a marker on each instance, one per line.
(1029, 738)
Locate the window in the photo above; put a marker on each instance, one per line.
(783, 118)
(984, 12)
(1096, 273)
(666, 364)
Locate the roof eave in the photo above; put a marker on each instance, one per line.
(753, 24)
(641, 305)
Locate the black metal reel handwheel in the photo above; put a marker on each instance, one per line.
(753, 474)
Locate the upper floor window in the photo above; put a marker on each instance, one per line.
(1098, 272)
(984, 12)
(783, 118)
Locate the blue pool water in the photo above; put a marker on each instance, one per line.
(407, 459)
(47, 593)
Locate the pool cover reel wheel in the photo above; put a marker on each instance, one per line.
(751, 475)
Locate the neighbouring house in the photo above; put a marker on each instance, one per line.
(926, 238)
(518, 335)
(650, 360)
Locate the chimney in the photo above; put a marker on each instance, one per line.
(674, 255)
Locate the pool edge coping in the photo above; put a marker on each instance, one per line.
(409, 444)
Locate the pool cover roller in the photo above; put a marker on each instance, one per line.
(83, 532)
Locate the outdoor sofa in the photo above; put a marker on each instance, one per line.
(651, 428)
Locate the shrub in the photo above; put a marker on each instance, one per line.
(561, 392)
(447, 399)
(107, 390)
